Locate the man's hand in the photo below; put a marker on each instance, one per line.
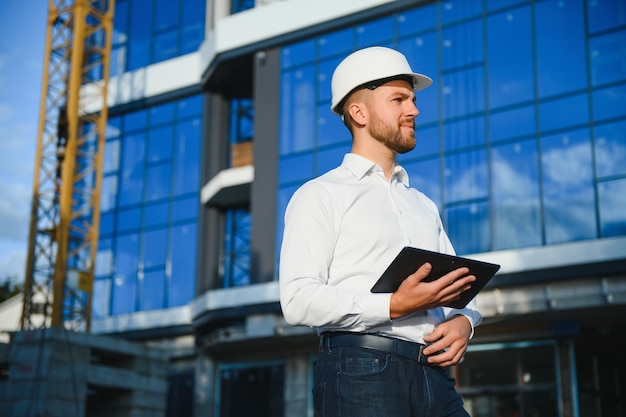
(451, 337)
(415, 295)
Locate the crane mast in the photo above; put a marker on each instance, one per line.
(65, 207)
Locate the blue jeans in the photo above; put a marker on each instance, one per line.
(359, 382)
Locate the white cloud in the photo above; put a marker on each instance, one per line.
(568, 166)
(512, 183)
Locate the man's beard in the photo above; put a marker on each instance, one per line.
(391, 136)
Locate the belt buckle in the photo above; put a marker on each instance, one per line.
(421, 357)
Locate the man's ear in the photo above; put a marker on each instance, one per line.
(358, 112)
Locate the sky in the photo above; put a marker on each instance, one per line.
(22, 43)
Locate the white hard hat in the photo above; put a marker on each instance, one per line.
(371, 64)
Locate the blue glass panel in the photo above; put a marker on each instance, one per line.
(455, 10)
(154, 248)
(189, 106)
(330, 128)
(165, 46)
(468, 228)
(608, 61)
(166, 14)
(118, 60)
(426, 177)
(427, 141)
(241, 120)
(515, 195)
(111, 157)
(114, 127)
(464, 133)
(158, 179)
(296, 168)
(107, 223)
(241, 5)
(612, 200)
(191, 38)
(101, 298)
(125, 280)
(606, 14)
(568, 189)
(104, 258)
(466, 176)
(160, 143)
(135, 121)
(124, 292)
(375, 32)
(155, 214)
(193, 18)
(120, 23)
(564, 112)
(501, 4)
(510, 58)
(128, 220)
(237, 248)
(610, 147)
(131, 181)
(462, 45)
(185, 209)
(186, 168)
(417, 20)
(330, 158)
(297, 110)
(421, 52)
(152, 292)
(161, 114)
(298, 53)
(325, 74)
(560, 30)
(463, 93)
(336, 43)
(183, 256)
(108, 193)
(513, 123)
(140, 34)
(609, 102)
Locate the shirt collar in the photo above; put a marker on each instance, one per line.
(360, 167)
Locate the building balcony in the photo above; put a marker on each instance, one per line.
(231, 187)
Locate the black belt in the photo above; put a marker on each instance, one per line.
(406, 349)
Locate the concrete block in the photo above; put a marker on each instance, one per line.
(55, 372)
(125, 379)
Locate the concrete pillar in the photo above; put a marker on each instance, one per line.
(298, 368)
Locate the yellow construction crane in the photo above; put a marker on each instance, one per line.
(65, 211)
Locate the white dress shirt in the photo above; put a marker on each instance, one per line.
(342, 230)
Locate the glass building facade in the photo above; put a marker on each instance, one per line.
(521, 137)
(146, 257)
(149, 31)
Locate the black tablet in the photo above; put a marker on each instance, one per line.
(410, 259)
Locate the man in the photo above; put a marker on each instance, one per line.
(380, 355)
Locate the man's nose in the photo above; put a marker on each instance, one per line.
(412, 110)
